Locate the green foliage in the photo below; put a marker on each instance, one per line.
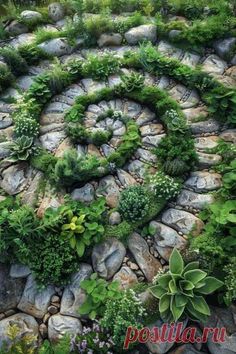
(22, 149)
(96, 25)
(44, 161)
(181, 291)
(163, 186)
(85, 227)
(131, 82)
(98, 292)
(230, 281)
(100, 137)
(120, 313)
(18, 345)
(71, 169)
(61, 347)
(121, 231)
(32, 54)
(222, 102)
(134, 203)
(26, 126)
(15, 62)
(99, 68)
(177, 153)
(174, 121)
(6, 77)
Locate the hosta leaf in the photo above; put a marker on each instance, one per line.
(72, 242)
(176, 311)
(195, 315)
(157, 291)
(176, 262)
(191, 266)
(186, 285)
(211, 284)
(164, 303)
(80, 248)
(194, 276)
(200, 305)
(180, 300)
(164, 280)
(172, 287)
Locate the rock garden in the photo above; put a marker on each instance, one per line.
(117, 174)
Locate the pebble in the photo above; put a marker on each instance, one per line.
(55, 299)
(43, 330)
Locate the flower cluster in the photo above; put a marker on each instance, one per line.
(92, 340)
(164, 186)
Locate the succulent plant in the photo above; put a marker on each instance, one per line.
(175, 167)
(22, 148)
(182, 289)
(131, 82)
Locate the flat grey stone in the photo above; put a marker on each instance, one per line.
(152, 140)
(146, 155)
(214, 65)
(223, 47)
(126, 277)
(51, 141)
(146, 116)
(229, 135)
(109, 189)
(28, 15)
(194, 200)
(204, 143)
(206, 126)
(91, 85)
(73, 296)
(208, 160)
(56, 107)
(56, 11)
(140, 250)
(5, 149)
(109, 39)
(165, 239)
(59, 326)
(190, 59)
(15, 178)
(33, 301)
(151, 129)
(169, 50)
(139, 168)
(19, 271)
(141, 33)
(125, 178)
(115, 218)
(107, 257)
(84, 194)
(182, 221)
(56, 47)
(15, 28)
(24, 82)
(204, 181)
(10, 290)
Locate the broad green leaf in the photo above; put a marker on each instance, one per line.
(176, 262)
(211, 284)
(194, 276)
(191, 266)
(180, 300)
(186, 285)
(80, 248)
(200, 305)
(72, 242)
(157, 291)
(176, 311)
(164, 280)
(172, 287)
(164, 303)
(195, 315)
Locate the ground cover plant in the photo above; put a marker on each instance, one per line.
(117, 171)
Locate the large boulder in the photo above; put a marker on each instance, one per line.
(56, 11)
(10, 289)
(26, 324)
(15, 28)
(15, 178)
(141, 33)
(223, 47)
(107, 257)
(59, 326)
(56, 47)
(31, 16)
(73, 296)
(34, 301)
(109, 39)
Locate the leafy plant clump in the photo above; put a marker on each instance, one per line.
(182, 289)
(22, 149)
(101, 67)
(134, 203)
(164, 186)
(98, 291)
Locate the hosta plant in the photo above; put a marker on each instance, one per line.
(181, 291)
(174, 121)
(22, 149)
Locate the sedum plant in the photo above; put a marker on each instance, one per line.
(22, 149)
(181, 291)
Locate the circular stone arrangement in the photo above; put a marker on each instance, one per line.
(118, 131)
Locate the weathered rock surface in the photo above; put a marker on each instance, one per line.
(109, 189)
(15, 178)
(30, 16)
(107, 257)
(10, 290)
(111, 39)
(141, 33)
(56, 47)
(84, 194)
(26, 324)
(182, 221)
(34, 301)
(223, 47)
(147, 263)
(229, 135)
(126, 278)
(208, 160)
(19, 271)
(165, 239)
(201, 181)
(56, 11)
(73, 296)
(194, 200)
(59, 326)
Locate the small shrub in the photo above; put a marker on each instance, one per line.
(120, 313)
(134, 203)
(15, 62)
(6, 77)
(163, 186)
(100, 137)
(32, 54)
(101, 67)
(181, 291)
